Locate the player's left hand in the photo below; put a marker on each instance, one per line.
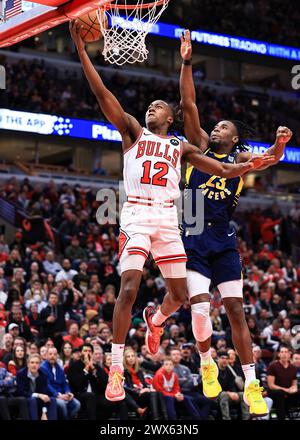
(186, 45)
(262, 160)
(283, 134)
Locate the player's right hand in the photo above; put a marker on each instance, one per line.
(74, 27)
(186, 45)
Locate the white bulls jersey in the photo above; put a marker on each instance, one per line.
(152, 167)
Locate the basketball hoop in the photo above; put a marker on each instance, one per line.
(129, 24)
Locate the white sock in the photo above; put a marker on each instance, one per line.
(206, 357)
(117, 352)
(249, 372)
(158, 318)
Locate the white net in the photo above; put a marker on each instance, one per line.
(128, 25)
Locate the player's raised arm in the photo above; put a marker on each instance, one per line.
(126, 124)
(211, 166)
(192, 126)
(283, 135)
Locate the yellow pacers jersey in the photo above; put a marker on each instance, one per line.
(220, 194)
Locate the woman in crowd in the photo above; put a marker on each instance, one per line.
(66, 353)
(139, 394)
(18, 360)
(254, 330)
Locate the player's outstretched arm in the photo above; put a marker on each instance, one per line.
(283, 136)
(211, 166)
(111, 107)
(192, 125)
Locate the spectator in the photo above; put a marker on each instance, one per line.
(218, 332)
(50, 265)
(187, 385)
(188, 359)
(296, 363)
(282, 382)
(13, 330)
(66, 353)
(99, 171)
(32, 383)
(261, 375)
(81, 280)
(67, 405)
(33, 348)
(166, 382)
(235, 364)
(8, 400)
(108, 304)
(271, 335)
(90, 302)
(75, 252)
(260, 365)
(93, 329)
(73, 336)
(3, 294)
(53, 316)
(14, 261)
(66, 273)
(98, 355)
(34, 319)
(138, 394)
(105, 338)
(18, 360)
(35, 295)
(16, 318)
(7, 344)
(43, 353)
(88, 383)
(230, 395)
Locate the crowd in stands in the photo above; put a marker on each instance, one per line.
(278, 21)
(56, 307)
(34, 87)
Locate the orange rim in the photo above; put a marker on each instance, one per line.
(131, 7)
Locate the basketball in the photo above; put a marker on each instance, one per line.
(91, 30)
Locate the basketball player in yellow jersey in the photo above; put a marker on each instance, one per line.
(149, 222)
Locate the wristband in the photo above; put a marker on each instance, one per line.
(187, 62)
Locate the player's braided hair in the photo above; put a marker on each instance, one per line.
(244, 131)
(177, 128)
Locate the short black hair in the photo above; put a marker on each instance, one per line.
(177, 127)
(284, 346)
(53, 293)
(86, 344)
(223, 353)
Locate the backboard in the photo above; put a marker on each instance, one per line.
(22, 20)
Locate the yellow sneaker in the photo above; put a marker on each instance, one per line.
(211, 386)
(254, 399)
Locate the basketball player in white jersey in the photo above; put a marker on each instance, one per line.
(152, 162)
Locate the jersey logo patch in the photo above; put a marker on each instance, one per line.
(174, 142)
(123, 240)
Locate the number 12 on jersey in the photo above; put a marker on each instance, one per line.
(158, 179)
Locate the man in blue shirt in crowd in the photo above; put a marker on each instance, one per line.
(59, 388)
